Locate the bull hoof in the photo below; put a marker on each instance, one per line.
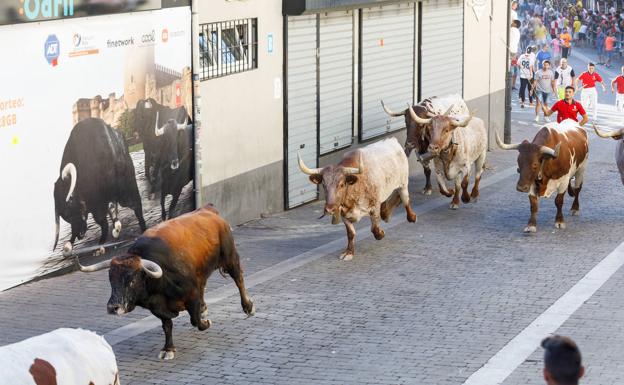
(454, 206)
(379, 234)
(117, 229)
(166, 355)
(465, 198)
(560, 225)
(346, 256)
(252, 312)
(530, 229)
(427, 191)
(204, 324)
(411, 217)
(67, 249)
(574, 212)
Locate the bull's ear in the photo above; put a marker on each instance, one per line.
(351, 179)
(316, 178)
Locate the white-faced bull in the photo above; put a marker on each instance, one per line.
(546, 165)
(619, 149)
(368, 181)
(418, 134)
(166, 269)
(458, 142)
(96, 175)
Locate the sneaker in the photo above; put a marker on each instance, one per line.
(536, 118)
(546, 118)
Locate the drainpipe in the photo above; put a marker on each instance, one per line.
(198, 184)
(507, 133)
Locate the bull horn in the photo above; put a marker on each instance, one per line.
(606, 134)
(69, 171)
(464, 122)
(305, 169)
(390, 112)
(182, 126)
(545, 150)
(506, 146)
(448, 111)
(91, 268)
(151, 268)
(417, 118)
(57, 221)
(158, 131)
(356, 170)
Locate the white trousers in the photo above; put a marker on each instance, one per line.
(619, 102)
(589, 100)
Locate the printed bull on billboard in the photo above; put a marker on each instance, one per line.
(87, 164)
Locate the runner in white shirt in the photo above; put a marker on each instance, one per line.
(564, 76)
(526, 65)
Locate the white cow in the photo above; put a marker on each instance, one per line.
(60, 357)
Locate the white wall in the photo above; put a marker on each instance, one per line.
(242, 118)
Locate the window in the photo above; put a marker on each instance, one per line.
(228, 47)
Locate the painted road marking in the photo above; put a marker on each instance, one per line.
(512, 355)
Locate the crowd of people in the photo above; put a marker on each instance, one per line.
(542, 36)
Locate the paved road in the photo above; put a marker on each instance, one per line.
(429, 304)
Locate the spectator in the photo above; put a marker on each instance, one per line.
(544, 84)
(582, 36)
(525, 65)
(577, 27)
(543, 55)
(609, 48)
(514, 11)
(600, 45)
(565, 38)
(562, 361)
(556, 51)
(540, 34)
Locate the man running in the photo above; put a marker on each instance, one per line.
(567, 108)
(526, 64)
(564, 77)
(589, 95)
(619, 96)
(544, 84)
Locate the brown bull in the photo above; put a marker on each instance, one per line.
(166, 269)
(546, 165)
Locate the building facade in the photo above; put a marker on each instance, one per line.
(307, 77)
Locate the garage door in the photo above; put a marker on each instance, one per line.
(387, 59)
(442, 48)
(301, 107)
(336, 80)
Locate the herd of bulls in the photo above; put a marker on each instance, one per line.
(166, 269)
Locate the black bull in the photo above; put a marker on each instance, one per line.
(96, 174)
(167, 142)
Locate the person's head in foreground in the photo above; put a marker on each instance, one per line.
(562, 361)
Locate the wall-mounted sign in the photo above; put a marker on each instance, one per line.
(270, 43)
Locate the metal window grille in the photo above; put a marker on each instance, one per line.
(228, 47)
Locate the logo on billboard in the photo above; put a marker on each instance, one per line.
(37, 9)
(165, 35)
(149, 38)
(52, 50)
(83, 45)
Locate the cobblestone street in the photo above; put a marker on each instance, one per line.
(431, 303)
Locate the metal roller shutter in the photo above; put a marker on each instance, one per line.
(442, 49)
(387, 60)
(336, 80)
(301, 104)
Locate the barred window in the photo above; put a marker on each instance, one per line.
(228, 47)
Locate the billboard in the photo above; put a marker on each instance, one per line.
(95, 135)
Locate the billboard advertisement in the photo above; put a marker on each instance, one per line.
(95, 135)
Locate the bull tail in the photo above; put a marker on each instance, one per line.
(229, 260)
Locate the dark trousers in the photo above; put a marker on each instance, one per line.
(524, 85)
(565, 51)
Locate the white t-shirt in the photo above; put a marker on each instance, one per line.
(583, 29)
(525, 62)
(564, 76)
(514, 39)
(514, 15)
